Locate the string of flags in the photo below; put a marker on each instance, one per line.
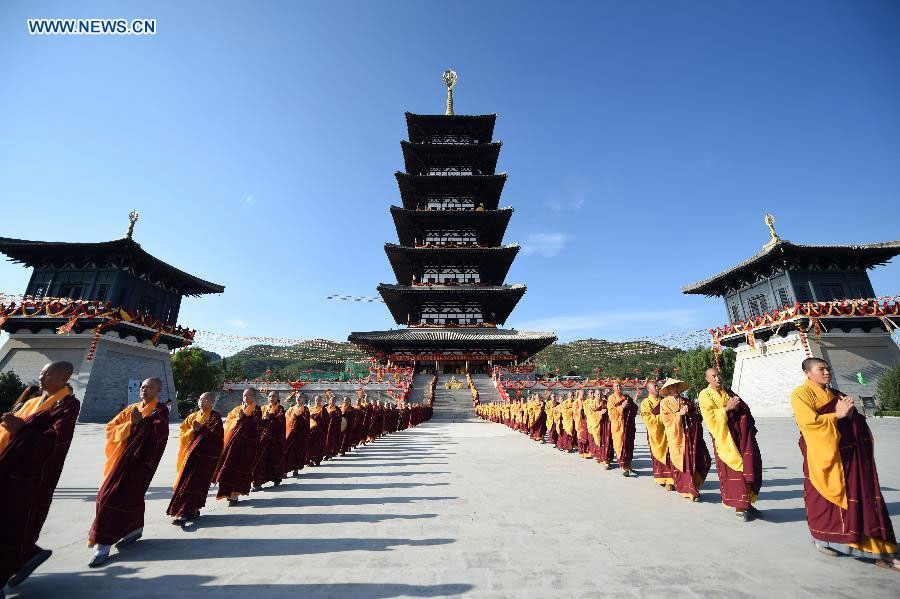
(355, 298)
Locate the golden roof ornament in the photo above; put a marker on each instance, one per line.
(450, 79)
(770, 222)
(132, 218)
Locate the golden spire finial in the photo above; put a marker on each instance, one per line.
(132, 218)
(450, 78)
(770, 222)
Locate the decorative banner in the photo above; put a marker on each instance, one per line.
(447, 357)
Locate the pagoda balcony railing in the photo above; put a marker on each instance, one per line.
(453, 325)
(444, 246)
(449, 283)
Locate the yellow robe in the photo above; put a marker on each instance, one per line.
(656, 434)
(185, 438)
(669, 413)
(231, 419)
(712, 406)
(119, 429)
(33, 406)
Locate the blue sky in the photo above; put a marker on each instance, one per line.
(644, 141)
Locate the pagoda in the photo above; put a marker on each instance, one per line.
(110, 308)
(790, 302)
(450, 262)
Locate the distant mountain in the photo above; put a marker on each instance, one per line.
(613, 358)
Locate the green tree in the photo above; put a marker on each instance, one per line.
(889, 389)
(194, 373)
(693, 363)
(11, 386)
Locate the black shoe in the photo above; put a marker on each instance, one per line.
(29, 567)
(256, 488)
(276, 483)
(178, 521)
(232, 502)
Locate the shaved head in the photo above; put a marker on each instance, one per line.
(810, 363)
(55, 375)
(65, 369)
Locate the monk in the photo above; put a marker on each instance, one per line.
(622, 412)
(34, 442)
(200, 441)
(135, 441)
(348, 415)
(317, 424)
(656, 439)
(684, 438)
(550, 411)
(733, 432)
(297, 436)
(567, 421)
(845, 510)
(604, 449)
(581, 430)
(269, 463)
(235, 469)
(332, 428)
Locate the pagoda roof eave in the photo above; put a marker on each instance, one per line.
(490, 225)
(126, 252)
(422, 338)
(780, 251)
(419, 125)
(496, 261)
(485, 189)
(484, 156)
(500, 300)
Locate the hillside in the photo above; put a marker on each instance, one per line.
(577, 357)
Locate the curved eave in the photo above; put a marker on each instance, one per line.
(485, 189)
(417, 158)
(497, 301)
(784, 253)
(125, 252)
(431, 339)
(422, 126)
(490, 225)
(494, 263)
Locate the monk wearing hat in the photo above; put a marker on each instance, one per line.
(200, 441)
(845, 509)
(733, 431)
(656, 438)
(684, 438)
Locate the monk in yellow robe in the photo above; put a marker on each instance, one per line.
(684, 438)
(656, 438)
(135, 441)
(844, 506)
(733, 432)
(200, 446)
(622, 412)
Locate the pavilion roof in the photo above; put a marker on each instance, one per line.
(125, 254)
(781, 254)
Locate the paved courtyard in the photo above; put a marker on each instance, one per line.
(464, 510)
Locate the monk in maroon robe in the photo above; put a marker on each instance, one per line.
(348, 413)
(844, 505)
(622, 411)
(603, 451)
(317, 428)
(684, 437)
(201, 440)
(135, 441)
(269, 464)
(297, 439)
(333, 429)
(235, 469)
(34, 442)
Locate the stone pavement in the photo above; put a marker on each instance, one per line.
(464, 510)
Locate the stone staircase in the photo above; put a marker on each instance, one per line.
(487, 392)
(418, 391)
(451, 405)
